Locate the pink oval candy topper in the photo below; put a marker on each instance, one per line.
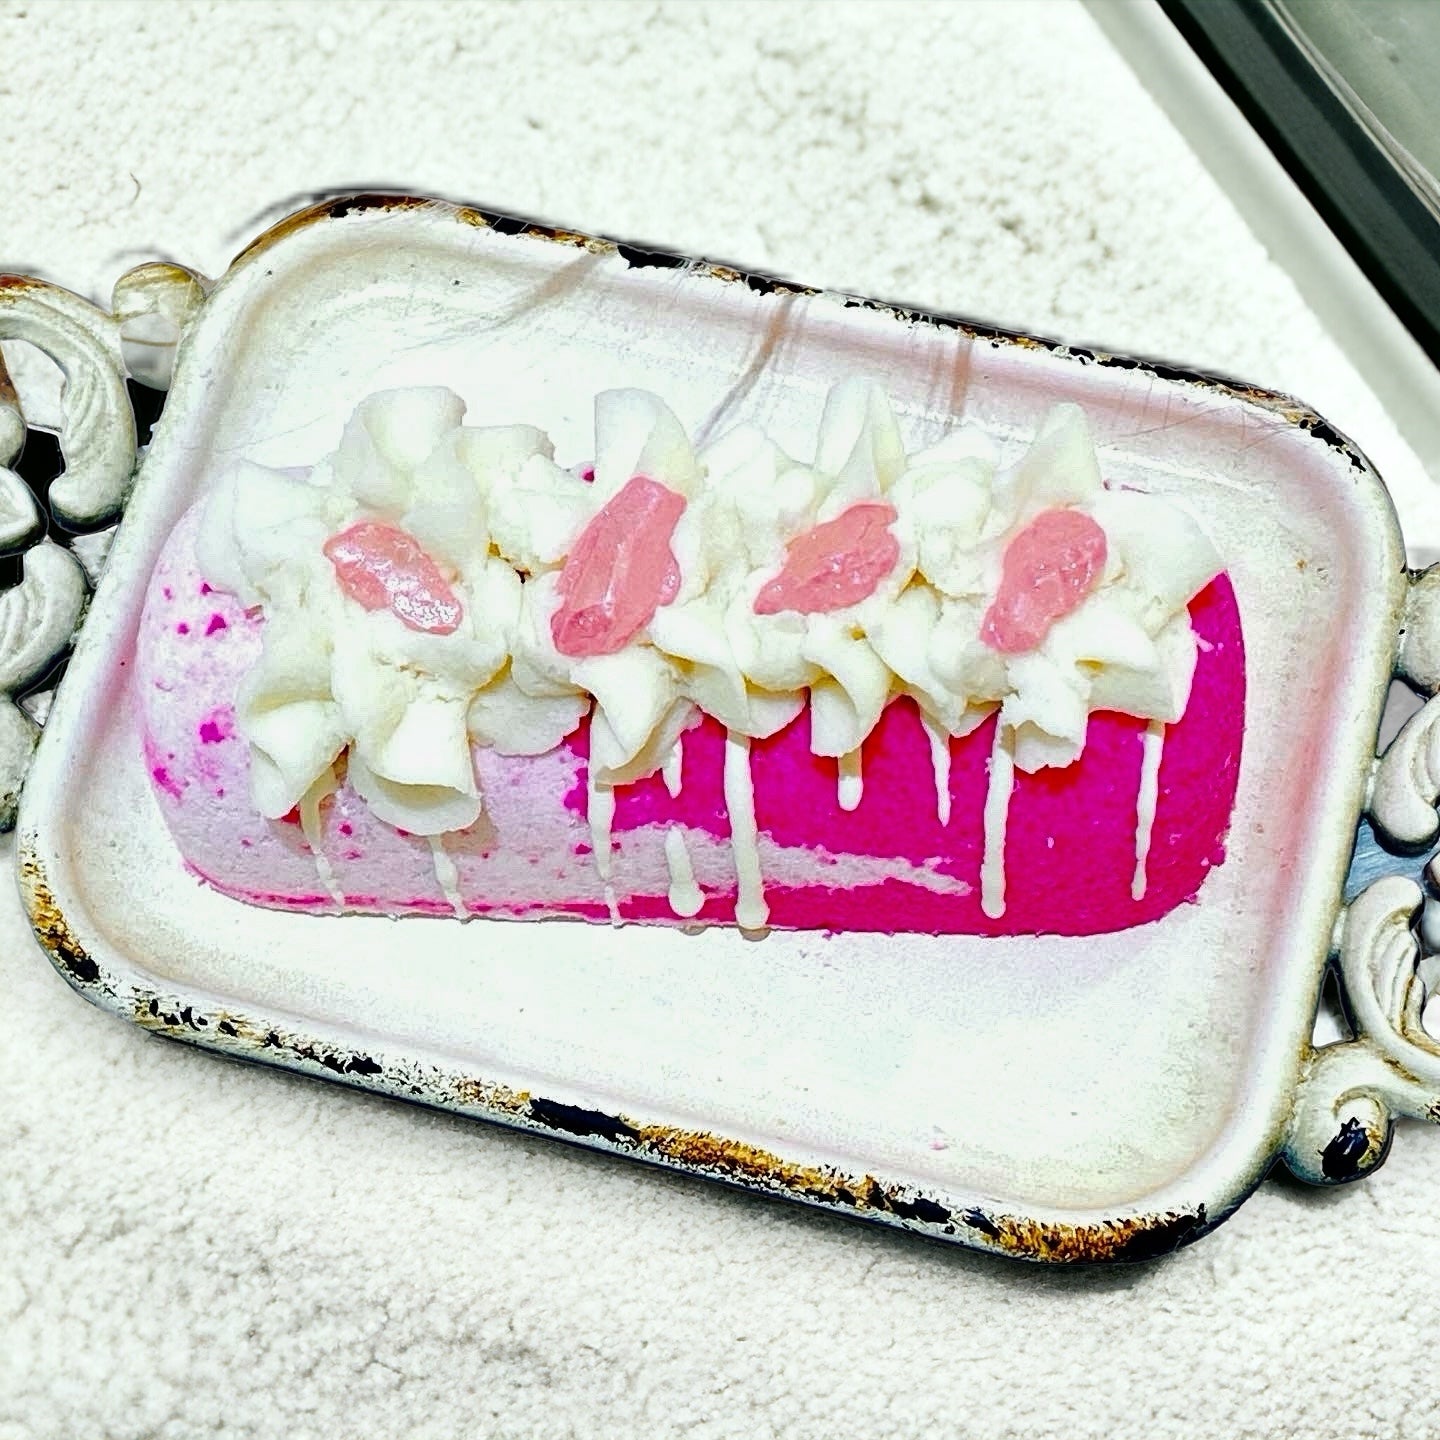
(1048, 569)
(835, 564)
(620, 571)
(381, 567)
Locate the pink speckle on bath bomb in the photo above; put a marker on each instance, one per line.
(217, 726)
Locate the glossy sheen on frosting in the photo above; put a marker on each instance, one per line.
(486, 598)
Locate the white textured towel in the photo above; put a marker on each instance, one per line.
(192, 1247)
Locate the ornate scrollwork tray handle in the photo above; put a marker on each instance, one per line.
(40, 615)
(1351, 1091)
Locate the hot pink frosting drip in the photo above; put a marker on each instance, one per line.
(620, 571)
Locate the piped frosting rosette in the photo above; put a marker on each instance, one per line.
(1043, 593)
(711, 604)
(389, 615)
(433, 586)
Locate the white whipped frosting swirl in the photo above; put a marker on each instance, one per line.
(498, 516)
(1127, 646)
(334, 677)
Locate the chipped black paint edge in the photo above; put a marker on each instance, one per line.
(1164, 1237)
(230, 1034)
(580, 1122)
(1135, 1240)
(586, 1126)
(1151, 1237)
(1354, 1152)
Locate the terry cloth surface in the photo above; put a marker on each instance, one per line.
(191, 1247)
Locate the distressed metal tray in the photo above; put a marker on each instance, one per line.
(1058, 1099)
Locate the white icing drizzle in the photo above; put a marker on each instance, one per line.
(612, 904)
(1153, 741)
(751, 911)
(600, 812)
(673, 769)
(997, 813)
(311, 829)
(446, 875)
(940, 760)
(686, 897)
(852, 782)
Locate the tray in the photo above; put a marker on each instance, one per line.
(1057, 1099)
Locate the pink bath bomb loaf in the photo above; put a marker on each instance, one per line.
(888, 865)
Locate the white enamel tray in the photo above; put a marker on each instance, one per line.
(1062, 1099)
